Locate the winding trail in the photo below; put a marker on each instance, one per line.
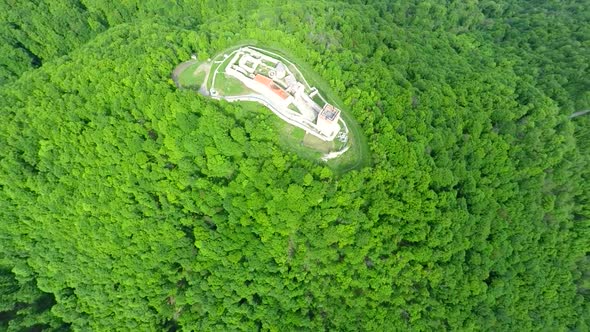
(579, 113)
(335, 154)
(207, 68)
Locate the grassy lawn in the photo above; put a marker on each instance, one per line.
(226, 85)
(189, 80)
(339, 145)
(317, 144)
(229, 86)
(298, 147)
(298, 133)
(296, 140)
(219, 67)
(252, 106)
(318, 100)
(200, 76)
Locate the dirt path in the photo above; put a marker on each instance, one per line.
(579, 113)
(207, 68)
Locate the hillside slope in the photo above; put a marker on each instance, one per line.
(126, 204)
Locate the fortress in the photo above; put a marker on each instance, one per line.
(285, 92)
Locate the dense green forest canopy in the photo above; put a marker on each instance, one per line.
(127, 204)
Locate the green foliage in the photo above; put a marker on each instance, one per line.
(23, 306)
(127, 204)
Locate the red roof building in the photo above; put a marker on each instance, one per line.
(272, 86)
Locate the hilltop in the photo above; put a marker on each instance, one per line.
(130, 204)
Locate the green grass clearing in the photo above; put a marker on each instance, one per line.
(298, 133)
(188, 78)
(292, 140)
(217, 67)
(229, 86)
(318, 100)
(317, 144)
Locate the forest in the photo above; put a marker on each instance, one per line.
(127, 204)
